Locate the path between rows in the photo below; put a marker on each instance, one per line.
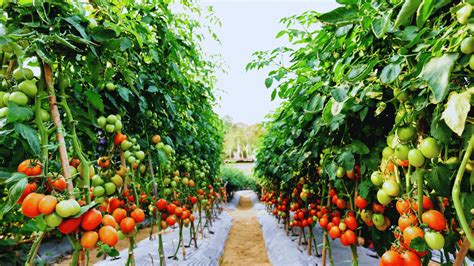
(245, 245)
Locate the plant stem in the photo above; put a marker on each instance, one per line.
(457, 191)
(355, 261)
(34, 249)
(77, 146)
(420, 195)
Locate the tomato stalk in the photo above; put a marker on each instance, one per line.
(44, 159)
(355, 261)
(457, 191)
(155, 194)
(161, 250)
(34, 249)
(77, 146)
(419, 185)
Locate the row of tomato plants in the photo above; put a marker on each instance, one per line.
(374, 139)
(105, 119)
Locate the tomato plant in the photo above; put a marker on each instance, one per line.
(97, 108)
(382, 89)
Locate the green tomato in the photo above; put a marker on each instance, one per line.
(168, 150)
(376, 178)
(383, 198)
(23, 73)
(28, 87)
(463, 14)
(2, 104)
(173, 184)
(390, 140)
(161, 146)
(471, 62)
(391, 188)
(101, 121)
(6, 98)
(3, 112)
(406, 133)
(64, 82)
(166, 181)
(435, 240)
(400, 95)
(110, 188)
(117, 180)
(118, 125)
(73, 171)
(125, 145)
(97, 181)
(127, 154)
(111, 119)
(131, 159)
(18, 98)
(44, 115)
(387, 152)
(401, 152)
(340, 172)
(167, 191)
(416, 158)
(53, 220)
(110, 128)
(430, 148)
(98, 191)
(110, 86)
(467, 45)
(67, 208)
(140, 155)
(99, 199)
(378, 219)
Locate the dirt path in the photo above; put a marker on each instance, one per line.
(245, 245)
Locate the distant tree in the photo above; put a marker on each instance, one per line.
(240, 139)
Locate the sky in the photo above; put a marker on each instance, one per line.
(249, 26)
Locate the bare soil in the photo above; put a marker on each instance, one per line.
(244, 245)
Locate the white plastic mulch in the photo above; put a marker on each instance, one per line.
(209, 251)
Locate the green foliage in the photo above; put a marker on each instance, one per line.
(353, 76)
(236, 179)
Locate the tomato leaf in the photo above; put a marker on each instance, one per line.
(30, 135)
(419, 244)
(424, 12)
(339, 94)
(390, 73)
(18, 114)
(467, 203)
(268, 82)
(381, 24)
(14, 192)
(95, 100)
(406, 13)
(346, 160)
(124, 93)
(439, 180)
(456, 111)
(437, 73)
(340, 15)
(439, 129)
(41, 223)
(358, 147)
